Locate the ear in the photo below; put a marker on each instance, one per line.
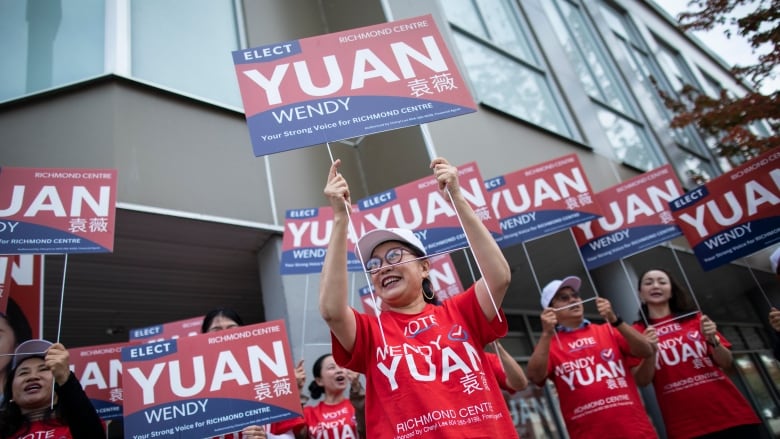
(426, 267)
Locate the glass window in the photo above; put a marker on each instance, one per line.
(508, 86)
(186, 46)
(46, 44)
(599, 76)
(501, 64)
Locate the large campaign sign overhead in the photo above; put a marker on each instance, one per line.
(55, 210)
(348, 84)
(99, 370)
(541, 199)
(423, 208)
(733, 215)
(305, 240)
(210, 384)
(636, 217)
(165, 331)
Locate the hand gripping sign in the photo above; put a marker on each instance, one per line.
(348, 84)
(99, 370)
(51, 210)
(733, 215)
(422, 207)
(541, 199)
(210, 384)
(636, 217)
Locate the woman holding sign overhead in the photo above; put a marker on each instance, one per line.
(424, 364)
(39, 368)
(696, 397)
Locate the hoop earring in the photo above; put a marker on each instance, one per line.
(428, 293)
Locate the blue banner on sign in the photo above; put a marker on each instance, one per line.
(750, 237)
(625, 242)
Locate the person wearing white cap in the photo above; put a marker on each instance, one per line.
(426, 373)
(38, 368)
(588, 364)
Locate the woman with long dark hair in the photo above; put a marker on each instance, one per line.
(696, 397)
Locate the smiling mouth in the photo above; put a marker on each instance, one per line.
(388, 281)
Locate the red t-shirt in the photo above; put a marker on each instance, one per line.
(597, 393)
(695, 396)
(324, 420)
(498, 369)
(431, 379)
(41, 429)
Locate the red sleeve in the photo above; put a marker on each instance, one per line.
(467, 306)
(498, 369)
(354, 360)
(295, 425)
(632, 361)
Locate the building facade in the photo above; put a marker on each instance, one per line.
(148, 87)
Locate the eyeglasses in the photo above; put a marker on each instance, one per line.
(566, 297)
(393, 256)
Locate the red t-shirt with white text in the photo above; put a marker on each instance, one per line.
(597, 393)
(431, 379)
(695, 396)
(43, 430)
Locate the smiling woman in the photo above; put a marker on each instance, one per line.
(29, 412)
(429, 357)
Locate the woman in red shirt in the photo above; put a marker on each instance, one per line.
(696, 397)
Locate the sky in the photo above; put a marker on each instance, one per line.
(734, 50)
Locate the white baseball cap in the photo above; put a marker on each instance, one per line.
(369, 241)
(775, 259)
(29, 349)
(554, 286)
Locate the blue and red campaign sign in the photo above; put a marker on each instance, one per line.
(99, 370)
(54, 210)
(210, 384)
(423, 208)
(348, 84)
(541, 199)
(305, 240)
(165, 331)
(636, 217)
(733, 215)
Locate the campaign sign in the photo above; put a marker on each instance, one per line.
(636, 217)
(540, 200)
(444, 281)
(99, 370)
(444, 278)
(53, 210)
(733, 215)
(348, 84)
(24, 291)
(306, 237)
(210, 384)
(423, 208)
(166, 331)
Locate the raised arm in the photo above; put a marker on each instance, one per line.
(515, 378)
(537, 364)
(637, 343)
(495, 269)
(721, 354)
(644, 372)
(334, 304)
